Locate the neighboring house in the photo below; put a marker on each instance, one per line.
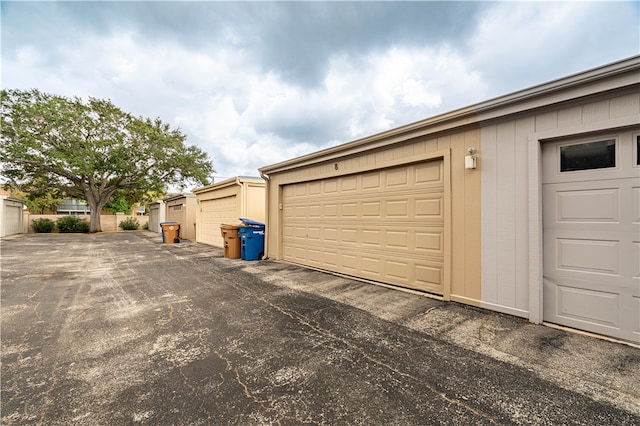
(527, 204)
(226, 202)
(11, 217)
(70, 206)
(181, 208)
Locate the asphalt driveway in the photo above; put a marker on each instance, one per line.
(116, 329)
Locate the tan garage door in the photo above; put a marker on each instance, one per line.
(385, 225)
(215, 213)
(175, 213)
(591, 222)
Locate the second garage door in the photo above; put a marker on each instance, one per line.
(591, 196)
(385, 225)
(214, 213)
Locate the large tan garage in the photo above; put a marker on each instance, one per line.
(527, 204)
(226, 202)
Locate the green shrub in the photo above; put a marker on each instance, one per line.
(145, 226)
(43, 225)
(72, 224)
(129, 224)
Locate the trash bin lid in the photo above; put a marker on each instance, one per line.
(251, 222)
(227, 226)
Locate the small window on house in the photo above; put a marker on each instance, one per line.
(587, 156)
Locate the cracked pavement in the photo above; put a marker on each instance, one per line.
(118, 329)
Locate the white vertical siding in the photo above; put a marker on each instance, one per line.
(505, 189)
(505, 248)
(524, 127)
(489, 212)
(505, 192)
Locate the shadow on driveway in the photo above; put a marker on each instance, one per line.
(121, 329)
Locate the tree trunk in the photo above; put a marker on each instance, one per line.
(94, 215)
(96, 201)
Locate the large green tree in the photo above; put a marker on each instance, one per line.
(91, 149)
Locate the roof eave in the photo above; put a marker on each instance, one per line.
(512, 103)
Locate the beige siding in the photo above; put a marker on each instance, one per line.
(255, 203)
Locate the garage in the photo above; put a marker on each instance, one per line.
(224, 203)
(591, 226)
(11, 220)
(181, 208)
(156, 215)
(215, 213)
(384, 225)
(535, 211)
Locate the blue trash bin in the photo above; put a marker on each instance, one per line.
(251, 239)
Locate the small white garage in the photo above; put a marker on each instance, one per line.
(527, 204)
(157, 214)
(226, 202)
(591, 227)
(11, 219)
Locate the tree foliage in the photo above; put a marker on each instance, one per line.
(91, 149)
(39, 202)
(121, 201)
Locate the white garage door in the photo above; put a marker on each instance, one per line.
(591, 222)
(215, 213)
(154, 217)
(385, 225)
(13, 218)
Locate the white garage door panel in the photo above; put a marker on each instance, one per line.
(592, 245)
(215, 213)
(13, 222)
(154, 218)
(589, 256)
(591, 306)
(386, 225)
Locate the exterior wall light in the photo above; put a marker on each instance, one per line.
(470, 158)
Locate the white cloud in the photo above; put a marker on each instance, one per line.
(520, 44)
(241, 107)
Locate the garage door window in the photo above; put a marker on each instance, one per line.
(638, 150)
(587, 156)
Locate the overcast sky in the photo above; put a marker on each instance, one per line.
(255, 83)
